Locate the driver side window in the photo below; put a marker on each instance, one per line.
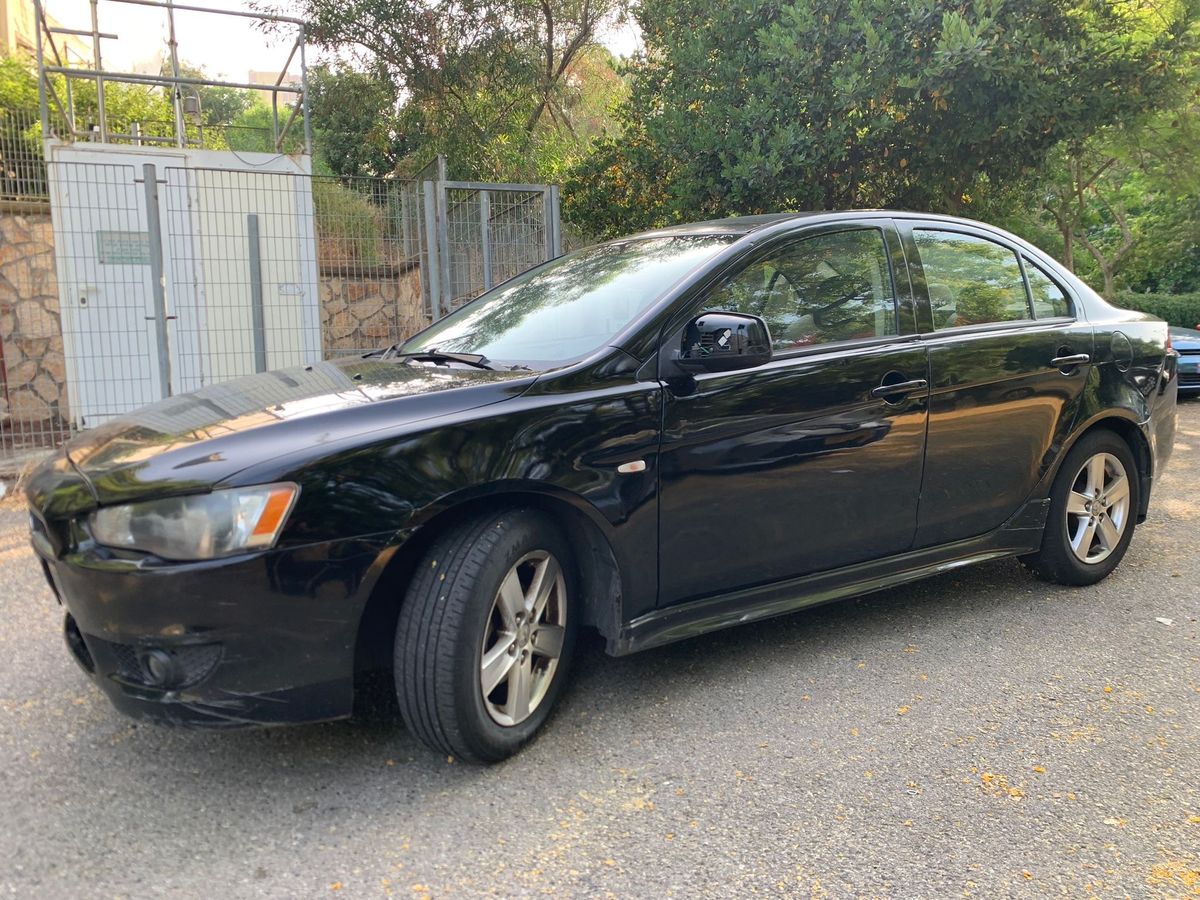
(829, 287)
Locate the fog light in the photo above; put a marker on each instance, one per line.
(159, 668)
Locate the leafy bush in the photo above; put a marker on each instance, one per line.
(1178, 309)
(349, 226)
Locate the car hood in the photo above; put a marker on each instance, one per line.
(190, 442)
(1185, 338)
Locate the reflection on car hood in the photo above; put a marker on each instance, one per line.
(1185, 338)
(192, 441)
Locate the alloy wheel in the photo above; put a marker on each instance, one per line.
(523, 638)
(1098, 508)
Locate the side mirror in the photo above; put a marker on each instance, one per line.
(724, 342)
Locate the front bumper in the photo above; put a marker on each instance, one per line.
(265, 639)
(1188, 368)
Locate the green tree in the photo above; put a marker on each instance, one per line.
(787, 104)
(490, 83)
(356, 121)
(1120, 208)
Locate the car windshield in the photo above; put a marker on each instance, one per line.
(571, 305)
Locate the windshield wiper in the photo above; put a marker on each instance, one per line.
(433, 354)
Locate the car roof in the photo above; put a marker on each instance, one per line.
(732, 225)
(743, 225)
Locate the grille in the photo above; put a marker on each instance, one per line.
(195, 662)
(1189, 378)
(1188, 351)
(78, 647)
(128, 667)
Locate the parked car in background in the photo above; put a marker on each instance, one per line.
(655, 437)
(1186, 343)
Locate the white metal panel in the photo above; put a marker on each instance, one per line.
(106, 292)
(106, 299)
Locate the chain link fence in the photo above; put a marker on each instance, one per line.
(494, 232)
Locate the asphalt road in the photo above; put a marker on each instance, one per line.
(980, 734)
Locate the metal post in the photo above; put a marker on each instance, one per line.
(432, 277)
(43, 106)
(176, 91)
(99, 78)
(547, 228)
(304, 95)
(443, 233)
(485, 236)
(556, 219)
(405, 225)
(157, 281)
(257, 316)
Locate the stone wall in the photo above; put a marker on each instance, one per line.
(34, 394)
(367, 310)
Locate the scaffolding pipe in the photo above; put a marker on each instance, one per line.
(304, 92)
(43, 105)
(99, 78)
(69, 114)
(187, 7)
(131, 78)
(176, 93)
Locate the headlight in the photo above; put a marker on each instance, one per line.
(199, 526)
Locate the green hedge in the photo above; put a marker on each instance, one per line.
(1178, 309)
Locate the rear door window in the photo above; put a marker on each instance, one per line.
(971, 280)
(1049, 300)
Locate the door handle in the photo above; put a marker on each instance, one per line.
(885, 391)
(1070, 361)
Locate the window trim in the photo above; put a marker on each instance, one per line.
(1017, 254)
(1071, 316)
(907, 224)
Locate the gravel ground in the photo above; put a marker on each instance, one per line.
(980, 734)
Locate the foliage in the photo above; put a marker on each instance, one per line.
(21, 172)
(1178, 309)
(218, 105)
(18, 86)
(785, 104)
(1120, 206)
(357, 126)
(349, 225)
(493, 84)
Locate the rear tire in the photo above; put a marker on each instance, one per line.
(1093, 507)
(494, 590)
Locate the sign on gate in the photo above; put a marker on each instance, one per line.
(123, 248)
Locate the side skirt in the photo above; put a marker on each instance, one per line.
(674, 623)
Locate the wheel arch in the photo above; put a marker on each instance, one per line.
(600, 576)
(1126, 428)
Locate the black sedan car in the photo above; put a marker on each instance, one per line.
(654, 437)
(1186, 343)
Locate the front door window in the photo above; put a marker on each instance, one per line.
(826, 288)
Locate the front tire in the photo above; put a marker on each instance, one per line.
(485, 635)
(1093, 505)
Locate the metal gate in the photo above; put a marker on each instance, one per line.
(484, 235)
(171, 273)
(171, 278)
